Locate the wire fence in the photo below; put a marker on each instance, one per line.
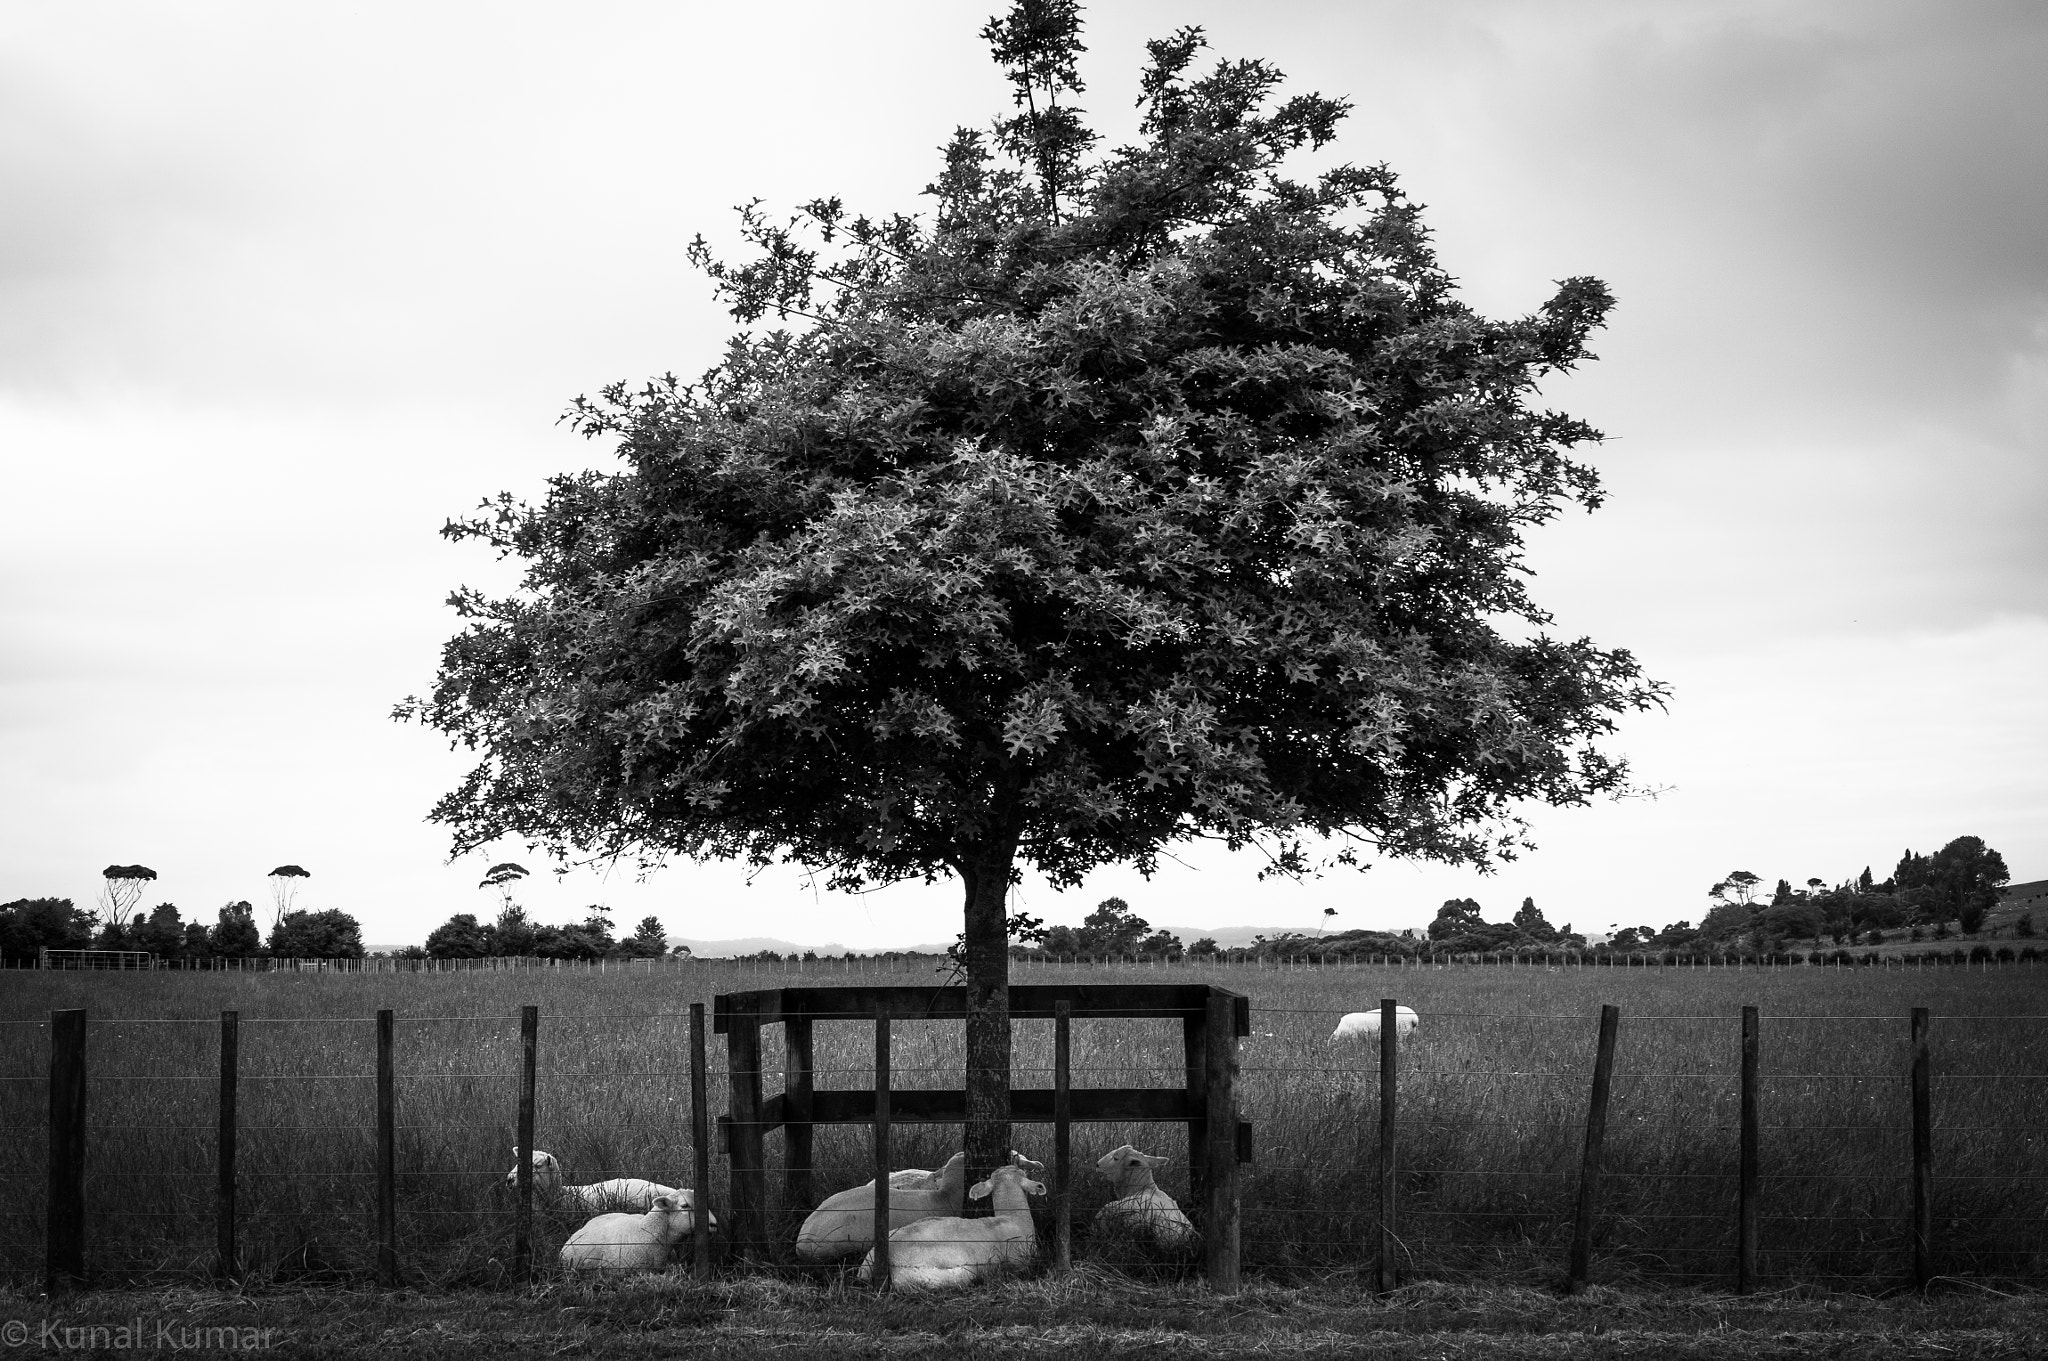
(1490, 1130)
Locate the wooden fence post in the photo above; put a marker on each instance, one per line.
(744, 1137)
(700, 1146)
(529, 1067)
(880, 1277)
(1062, 1137)
(224, 1147)
(797, 1079)
(64, 1224)
(1923, 1151)
(387, 1157)
(1746, 1196)
(1219, 1233)
(1384, 1258)
(1195, 1052)
(1589, 1166)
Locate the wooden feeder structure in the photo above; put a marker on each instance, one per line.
(1212, 1021)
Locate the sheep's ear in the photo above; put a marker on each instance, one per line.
(1036, 1188)
(979, 1190)
(1151, 1161)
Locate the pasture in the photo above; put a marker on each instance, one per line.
(1493, 1100)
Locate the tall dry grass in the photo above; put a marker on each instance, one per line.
(1492, 1107)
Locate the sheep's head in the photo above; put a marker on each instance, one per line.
(1031, 1167)
(953, 1175)
(1011, 1175)
(546, 1171)
(1127, 1169)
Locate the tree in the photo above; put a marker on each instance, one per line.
(234, 934)
(462, 936)
(1457, 917)
(1728, 921)
(162, 933)
(589, 939)
(1793, 919)
(1531, 925)
(328, 934)
(1164, 944)
(648, 941)
(501, 877)
(512, 933)
(1739, 887)
(122, 891)
(284, 890)
(1124, 499)
(31, 925)
(1111, 929)
(1966, 876)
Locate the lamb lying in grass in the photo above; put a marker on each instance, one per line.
(844, 1223)
(629, 1242)
(949, 1253)
(1141, 1210)
(620, 1193)
(1364, 1026)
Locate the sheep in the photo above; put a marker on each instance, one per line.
(844, 1223)
(630, 1242)
(1365, 1025)
(947, 1253)
(917, 1178)
(1142, 1208)
(629, 1194)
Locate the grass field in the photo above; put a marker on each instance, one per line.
(1087, 1315)
(1493, 1094)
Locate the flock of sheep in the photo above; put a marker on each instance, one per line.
(932, 1246)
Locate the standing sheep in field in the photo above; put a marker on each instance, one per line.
(1142, 1210)
(629, 1242)
(1363, 1026)
(948, 1253)
(630, 1194)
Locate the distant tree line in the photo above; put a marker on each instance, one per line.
(463, 936)
(28, 925)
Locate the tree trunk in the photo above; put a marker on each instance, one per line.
(986, 878)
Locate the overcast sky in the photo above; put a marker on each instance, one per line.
(282, 288)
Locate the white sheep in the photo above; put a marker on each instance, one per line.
(1142, 1208)
(630, 1242)
(844, 1223)
(1365, 1025)
(630, 1194)
(918, 1178)
(943, 1254)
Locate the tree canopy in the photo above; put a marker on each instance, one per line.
(1121, 498)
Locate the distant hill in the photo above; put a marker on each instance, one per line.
(1233, 935)
(751, 945)
(2025, 897)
